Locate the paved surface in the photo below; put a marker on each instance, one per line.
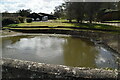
(114, 24)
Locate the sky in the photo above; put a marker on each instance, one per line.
(45, 6)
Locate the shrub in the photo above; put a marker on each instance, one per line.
(16, 21)
(29, 20)
(7, 21)
(21, 19)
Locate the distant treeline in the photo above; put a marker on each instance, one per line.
(91, 11)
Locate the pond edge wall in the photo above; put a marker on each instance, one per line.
(59, 70)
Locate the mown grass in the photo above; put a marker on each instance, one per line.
(50, 24)
(96, 26)
(65, 23)
(42, 28)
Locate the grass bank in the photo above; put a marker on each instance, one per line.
(65, 25)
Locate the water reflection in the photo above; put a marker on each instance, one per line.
(105, 58)
(79, 53)
(57, 50)
(40, 48)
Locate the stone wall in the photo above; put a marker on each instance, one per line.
(13, 68)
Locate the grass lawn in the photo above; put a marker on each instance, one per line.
(97, 26)
(50, 24)
(65, 23)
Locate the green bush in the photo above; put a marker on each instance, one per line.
(21, 19)
(16, 21)
(29, 20)
(7, 21)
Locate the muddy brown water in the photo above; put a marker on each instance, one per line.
(70, 51)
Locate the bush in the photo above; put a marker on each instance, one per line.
(29, 20)
(21, 19)
(7, 21)
(16, 21)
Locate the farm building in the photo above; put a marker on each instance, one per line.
(111, 15)
(50, 16)
(35, 16)
(41, 16)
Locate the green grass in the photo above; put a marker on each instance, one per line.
(96, 26)
(43, 28)
(65, 23)
(50, 24)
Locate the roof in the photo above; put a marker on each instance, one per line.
(37, 14)
(40, 15)
(45, 14)
(111, 11)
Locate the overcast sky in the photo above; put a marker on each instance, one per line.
(46, 6)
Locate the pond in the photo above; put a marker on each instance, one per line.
(63, 50)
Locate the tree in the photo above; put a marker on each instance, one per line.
(24, 13)
(78, 11)
(59, 11)
(109, 5)
(75, 10)
(69, 11)
(4, 14)
(84, 10)
(91, 8)
(118, 5)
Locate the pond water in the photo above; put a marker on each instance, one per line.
(70, 51)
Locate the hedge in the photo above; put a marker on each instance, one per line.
(29, 20)
(7, 21)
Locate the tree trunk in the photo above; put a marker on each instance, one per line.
(90, 21)
(70, 20)
(78, 20)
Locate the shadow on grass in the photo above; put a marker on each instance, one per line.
(93, 25)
